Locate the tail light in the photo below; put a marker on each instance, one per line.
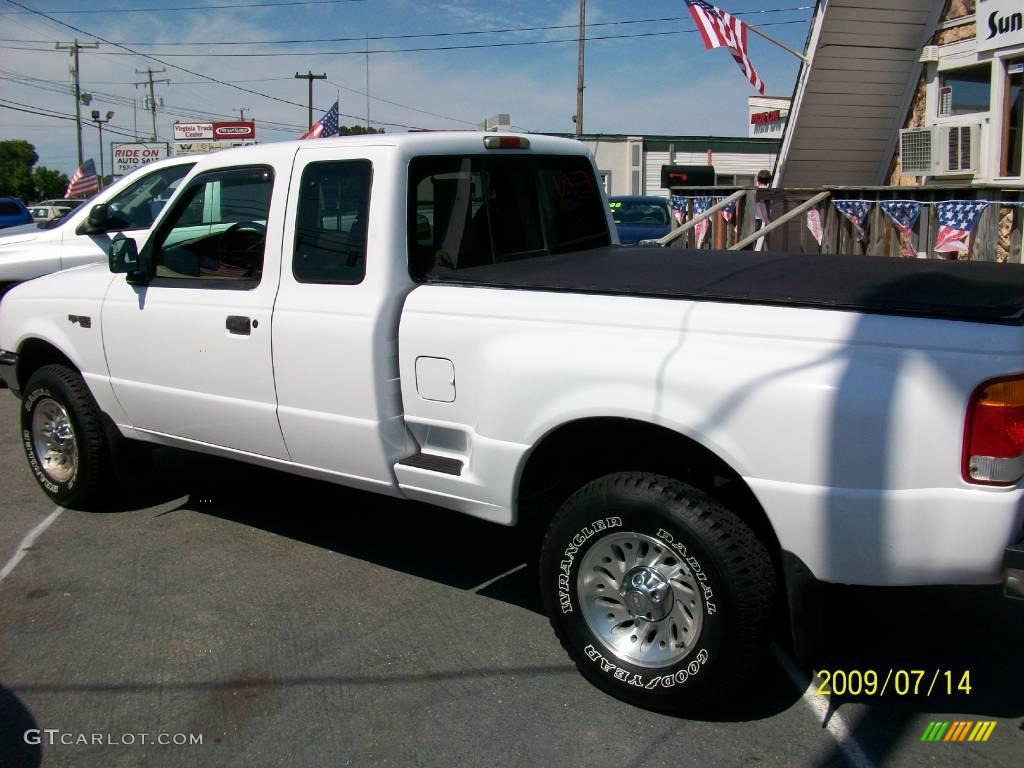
(506, 142)
(994, 433)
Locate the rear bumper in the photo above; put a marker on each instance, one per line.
(1013, 570)
(8, 363)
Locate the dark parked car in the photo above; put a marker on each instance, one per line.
(13, 212)
(640, 218)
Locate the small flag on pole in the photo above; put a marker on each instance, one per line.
(325, 126)
(904, 215)
(857, 212)
(720, 30)
(956, 220)
(84, 182)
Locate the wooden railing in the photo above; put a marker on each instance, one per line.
(997, 236)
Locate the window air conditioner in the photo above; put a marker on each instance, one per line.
(958, 149)
(916, 152)
(940, 150)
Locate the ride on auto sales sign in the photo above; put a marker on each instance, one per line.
(126, 158)
(1000, 23)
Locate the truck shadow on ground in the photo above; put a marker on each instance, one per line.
(955, 629)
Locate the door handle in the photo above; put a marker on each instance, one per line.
(240, 325)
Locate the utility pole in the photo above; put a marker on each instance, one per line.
(579, 67)
(310, 77)
(99, 124)
(151, 101)
(241, 112)
(74, 48)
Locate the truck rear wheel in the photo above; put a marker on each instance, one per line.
(63, 436)
(660, 594)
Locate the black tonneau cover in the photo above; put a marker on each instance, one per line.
(958, 290)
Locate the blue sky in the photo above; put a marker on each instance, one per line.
(658, 84)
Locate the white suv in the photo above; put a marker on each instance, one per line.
(83, 236)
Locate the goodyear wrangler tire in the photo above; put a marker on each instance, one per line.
(63, 436)
(660, 595)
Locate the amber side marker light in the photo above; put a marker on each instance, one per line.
(506, 142)
(994, 433)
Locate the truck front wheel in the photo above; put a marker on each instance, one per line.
(660, 594)
(63, 436)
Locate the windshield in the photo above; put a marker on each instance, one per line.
(9, 209)
(639, 212)
(469, 211)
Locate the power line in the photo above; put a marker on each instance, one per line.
(186, 7)
(179, 68)
(401, 106)
(49, 113)
(413, 36)
(476, 46)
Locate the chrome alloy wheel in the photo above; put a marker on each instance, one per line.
(54, 440)
(640, 599)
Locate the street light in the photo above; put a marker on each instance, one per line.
(99, 124)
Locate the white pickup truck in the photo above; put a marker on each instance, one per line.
(447, 318)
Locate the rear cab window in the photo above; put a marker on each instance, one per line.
(474, 210)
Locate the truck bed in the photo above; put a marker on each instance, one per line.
(982, 292)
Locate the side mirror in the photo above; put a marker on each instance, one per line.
(124, 254)
(97, 220)
(126, 259)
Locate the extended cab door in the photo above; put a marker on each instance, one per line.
(337, 311)
(190, 352)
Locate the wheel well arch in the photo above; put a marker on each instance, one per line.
(33, 354)
(577, 452)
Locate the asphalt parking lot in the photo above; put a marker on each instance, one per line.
(288, 622)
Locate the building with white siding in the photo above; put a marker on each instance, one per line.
(631, 165)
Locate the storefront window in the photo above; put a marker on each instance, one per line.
(967, 90)
(1013, 127)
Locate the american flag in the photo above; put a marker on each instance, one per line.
(701, 205)
(678, 205)
(84, 181)
(956, 221)
(815, 226)
(904, 215)
(720, 30)
(325, 126)
(856, 211)
(729, 213)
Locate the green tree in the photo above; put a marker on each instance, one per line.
(16, 160)
(357, 130)
(48, 183)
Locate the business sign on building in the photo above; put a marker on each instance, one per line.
(1000, 23)
(240, 129)
(768, 115)
(202, 147)
(192, 131)
(126, 158)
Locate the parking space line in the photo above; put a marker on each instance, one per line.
(26, 543)
(833, 722)
(498, 578)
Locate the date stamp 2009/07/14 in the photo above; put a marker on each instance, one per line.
(898, 682)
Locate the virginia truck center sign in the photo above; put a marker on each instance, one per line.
(126, 158)
(197, 138)
(1000, 23)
